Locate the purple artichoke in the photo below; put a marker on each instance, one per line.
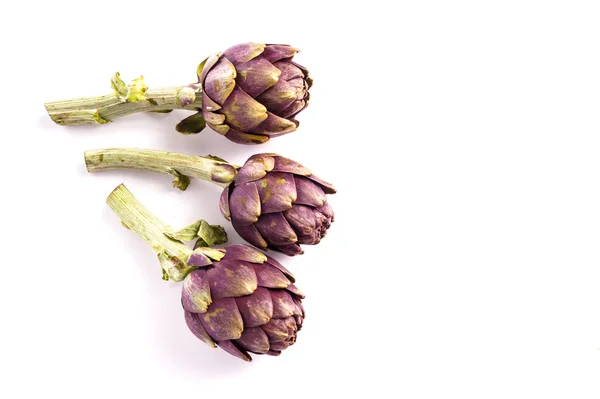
(249, 93)
(245, 302)
(235, 297)
(272, 201)
(252, 92)
(276, 203)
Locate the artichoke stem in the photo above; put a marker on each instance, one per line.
(172, 253)
(176, 259)
(180, 166)
(125, 100)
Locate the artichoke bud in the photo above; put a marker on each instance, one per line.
(244, 303)
(252, 92)
(277, 203)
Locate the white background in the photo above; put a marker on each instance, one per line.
(463, 138)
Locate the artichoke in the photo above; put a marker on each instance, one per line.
(235, 297)
(248, 93)
(273, 202)
(246, 302)
(252, 92)
(276, 203)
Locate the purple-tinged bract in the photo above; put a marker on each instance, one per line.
(276, 203)
(244, 303)
(252, 92)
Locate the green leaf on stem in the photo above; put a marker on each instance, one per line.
(188, 233)
(119, 87)
(210, 235)
(200, 68)
(192, 124)
(137, 90)
(181, 181)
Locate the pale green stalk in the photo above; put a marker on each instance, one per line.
(172, 253)
(124, 100)
(181, 166)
